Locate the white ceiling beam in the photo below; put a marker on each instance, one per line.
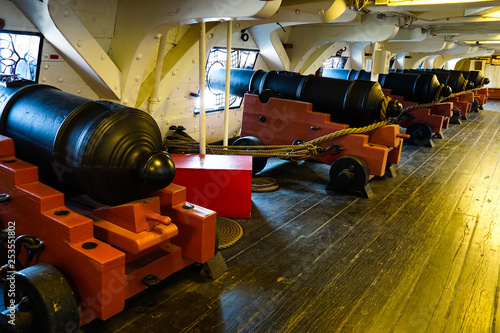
(61, 27)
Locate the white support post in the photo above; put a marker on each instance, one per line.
(203, 115)
(228, 75)
(153, 101)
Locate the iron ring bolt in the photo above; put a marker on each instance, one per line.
(33, 249)
(150, 280)
(32, 244)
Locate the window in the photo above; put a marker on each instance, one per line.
(217, 58)
(20, 54)
(335, 62)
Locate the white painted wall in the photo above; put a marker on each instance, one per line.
(492, 73)
(178, 108)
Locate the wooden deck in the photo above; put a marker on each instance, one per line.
(421, 255)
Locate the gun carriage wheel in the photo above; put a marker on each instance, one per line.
(420, 133)
(349, 174)
(39, 299)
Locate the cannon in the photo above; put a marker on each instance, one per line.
(89, 215)
(473, 101)
(475, 80)
(410, 89)
(108, 151)
(421, 87)
(474, 77)
(423, 124)
(460, 81)
(283, 108)
(455, 80)
(357, 103)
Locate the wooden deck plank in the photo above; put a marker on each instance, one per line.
(421, 303)
(434, 290)
(436, 215)
(436, 279)
(318, 274)
(400, 221)
(473, 306)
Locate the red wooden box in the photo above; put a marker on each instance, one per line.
(222, 183)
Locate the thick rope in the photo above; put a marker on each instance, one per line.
(383, 107)
(438, 91)
(466, 83)
(437, 100)
(182, 143)
(229, 232)
(264, 184)
(294, 152)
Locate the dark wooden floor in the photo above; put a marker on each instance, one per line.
(421, 255)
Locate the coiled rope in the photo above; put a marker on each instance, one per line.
(229, 232)
(264, 184)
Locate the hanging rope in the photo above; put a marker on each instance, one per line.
(438, 99)
(303, 151)
(180, 142)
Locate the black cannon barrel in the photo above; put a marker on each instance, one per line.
(455, 80)
(474, 77)
(347, 74)
(108, 151)
(357, 103)
(421, 87)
